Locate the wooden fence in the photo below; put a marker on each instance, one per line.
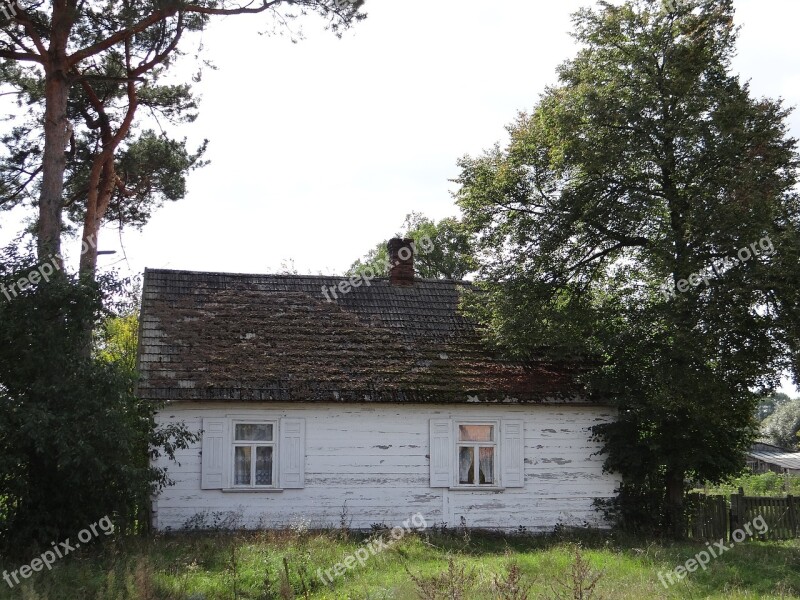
(709, 517)
(780, 514)
(714, 518)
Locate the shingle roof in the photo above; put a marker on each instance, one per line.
(222, 337)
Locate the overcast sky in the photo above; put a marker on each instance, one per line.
(319, 149)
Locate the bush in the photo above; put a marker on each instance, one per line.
(74, 440)
(765, 484)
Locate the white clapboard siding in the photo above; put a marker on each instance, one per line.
(373, 463)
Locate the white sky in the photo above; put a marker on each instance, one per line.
(319, 149)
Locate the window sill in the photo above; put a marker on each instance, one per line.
(251, 490)
(477, 488)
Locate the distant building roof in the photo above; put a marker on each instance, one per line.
(775, 456)
(226, 337)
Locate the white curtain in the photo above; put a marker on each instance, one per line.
(242, 465)
(264, 466)
(486, 465)
(466, 465)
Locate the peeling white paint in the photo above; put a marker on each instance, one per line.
(376, 458)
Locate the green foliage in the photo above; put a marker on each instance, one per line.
(782, 428)
(648, 162)
(769, 404)
(151, 168)
(117, 341)
(764, 484)
(449, 255)
(75, 443)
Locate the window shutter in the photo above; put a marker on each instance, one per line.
(213, 454)
(441, 452)
(292, 452)
(512, 453)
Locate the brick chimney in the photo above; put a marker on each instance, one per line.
(401, 261)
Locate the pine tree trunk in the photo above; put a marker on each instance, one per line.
(56, 138)
(88, 262)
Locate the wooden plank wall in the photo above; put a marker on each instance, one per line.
(371, 462)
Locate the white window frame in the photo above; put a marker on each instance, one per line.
(495, 443)
(254, 444)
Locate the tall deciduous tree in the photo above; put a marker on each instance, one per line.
(782, 427)
(451, 255)
(769, 404)
(611, 223)
(92, 65)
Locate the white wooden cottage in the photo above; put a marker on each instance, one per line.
(369, 405)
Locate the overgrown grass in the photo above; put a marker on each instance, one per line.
(255, 565)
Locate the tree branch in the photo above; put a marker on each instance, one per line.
(158, 16)
(161, 56)
(23, 18)
(22, 186)
(23, 56)
(18, 41)
(205, 10)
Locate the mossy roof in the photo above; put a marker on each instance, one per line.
(236, 337)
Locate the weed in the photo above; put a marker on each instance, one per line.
(512, 586)
(452, 584)
(234, 571)
(286, 590)
(580, 582)
(344, 522)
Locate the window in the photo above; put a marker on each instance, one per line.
(486, 454)
(477, 454)
(254, 455)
